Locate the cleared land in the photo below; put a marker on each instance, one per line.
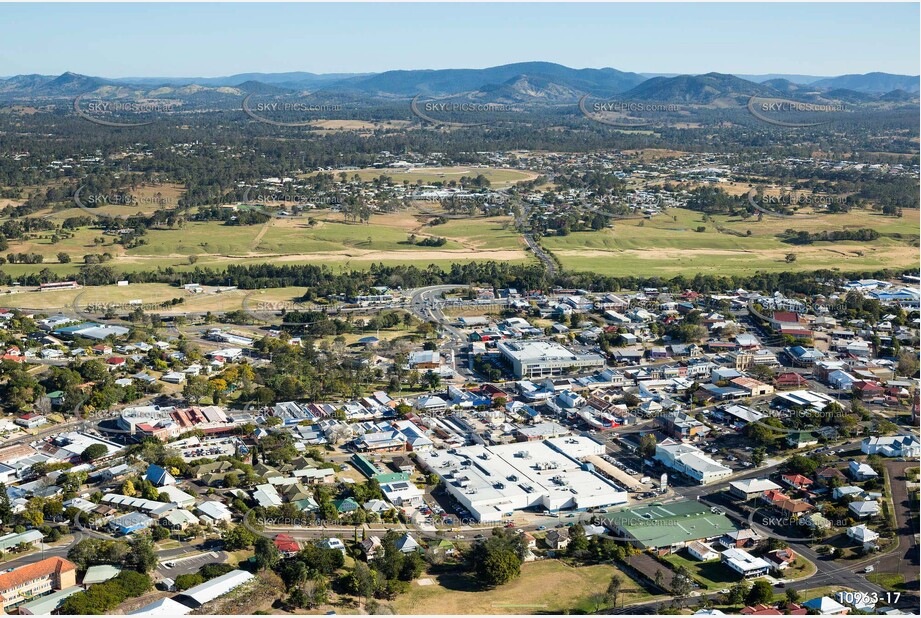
(546, 587)
(330, 240)
(669, 244)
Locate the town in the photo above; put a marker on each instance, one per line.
(718, 449)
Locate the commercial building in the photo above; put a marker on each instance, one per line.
(492, 482)
(690, 461)
(749, 489)
(539, 359)
(668, 527)
(35, 580)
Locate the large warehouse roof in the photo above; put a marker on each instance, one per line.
(670, 524)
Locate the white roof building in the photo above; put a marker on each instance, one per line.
(744, 563)
(162, 607)
(214, 510)
(215, 588)
(492, 482)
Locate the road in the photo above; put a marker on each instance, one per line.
(545, 259)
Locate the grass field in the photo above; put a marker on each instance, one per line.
(669, 244)
(713, 574)
(118, 297)
(546, 587)
(330, 240)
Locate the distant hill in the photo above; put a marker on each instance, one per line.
(875, 83)
(523, 83)
(452, 81)
(698, 89)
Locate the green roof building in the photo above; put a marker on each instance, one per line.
(364, 465)
(668, 526)
(391, 477)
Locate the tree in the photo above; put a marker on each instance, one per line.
(613, 590)
(195, 388)
(738, 592)
(648, 446)
(791, 257)
(792, 595)
(94, 452)
(142, 557)
(761, 592)
(578, 542)
(64, 258)
(499, 567)
(6, 509)
(266, 554)
(908, 363)
(681, 583)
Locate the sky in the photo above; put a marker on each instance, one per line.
(209, 40)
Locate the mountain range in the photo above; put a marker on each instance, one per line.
(519, 83)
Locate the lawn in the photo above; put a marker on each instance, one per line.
(546, 586)
(712, 574)
(890, 581)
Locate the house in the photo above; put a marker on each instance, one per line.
(159, 476)
(558, 538)
(286, 545)
(760, 610)
(816, 521)
(861, 471)
(863, 535)
(179, 519)
(829, 475)
(33, 420)
(333, 543)
(801, 439)
(740, 538)
(370, 546)
(702, 551)
(796, 481)
(403, 464)
(214, 511)
(846, 491)
(892, 446)
(780, 559)
(826, 606)
(744, 563)
(863, 509)
(407, 544)
(346, 505)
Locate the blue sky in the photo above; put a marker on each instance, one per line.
(120, 40)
